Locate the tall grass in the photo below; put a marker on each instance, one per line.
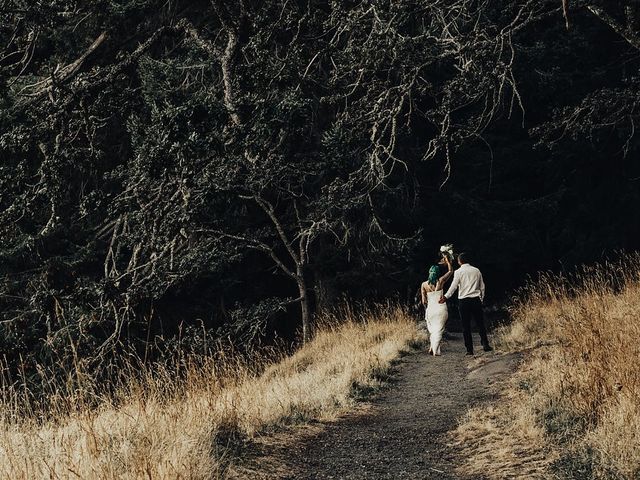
(577, 396)
(194, 423)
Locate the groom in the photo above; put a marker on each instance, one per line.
(470, 285)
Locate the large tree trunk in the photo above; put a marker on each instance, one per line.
(304, 306)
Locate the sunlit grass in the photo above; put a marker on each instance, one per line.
(193, 424)
(575, 403)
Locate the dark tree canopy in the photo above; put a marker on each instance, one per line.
(238, 165)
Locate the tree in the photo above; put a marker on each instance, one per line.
(173, 150)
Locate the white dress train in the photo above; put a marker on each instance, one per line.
(436, 316)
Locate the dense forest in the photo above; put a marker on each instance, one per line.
(175, 171)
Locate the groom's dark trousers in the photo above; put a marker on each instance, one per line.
(472, 308)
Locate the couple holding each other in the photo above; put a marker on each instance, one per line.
(467, 280)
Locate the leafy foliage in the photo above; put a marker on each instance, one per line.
(164, 160)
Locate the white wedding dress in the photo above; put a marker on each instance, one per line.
(436, 316)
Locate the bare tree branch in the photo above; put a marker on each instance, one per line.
(627, 34)
(64, 74)
(226, 59)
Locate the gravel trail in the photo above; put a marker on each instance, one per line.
(403, 432)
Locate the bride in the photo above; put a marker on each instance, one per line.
(436, 313)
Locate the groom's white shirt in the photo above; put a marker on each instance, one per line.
(468, 281)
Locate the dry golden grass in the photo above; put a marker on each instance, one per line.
(573, 409)
(162, 427)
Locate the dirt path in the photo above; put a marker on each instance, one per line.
(403, 432)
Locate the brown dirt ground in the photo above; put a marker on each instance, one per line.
(401, 433)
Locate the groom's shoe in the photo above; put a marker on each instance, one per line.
(487, 348)
(469, 353)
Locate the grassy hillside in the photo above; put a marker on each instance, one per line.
(190, 423)
(573, 409)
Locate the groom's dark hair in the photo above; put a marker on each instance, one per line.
(463, 257)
